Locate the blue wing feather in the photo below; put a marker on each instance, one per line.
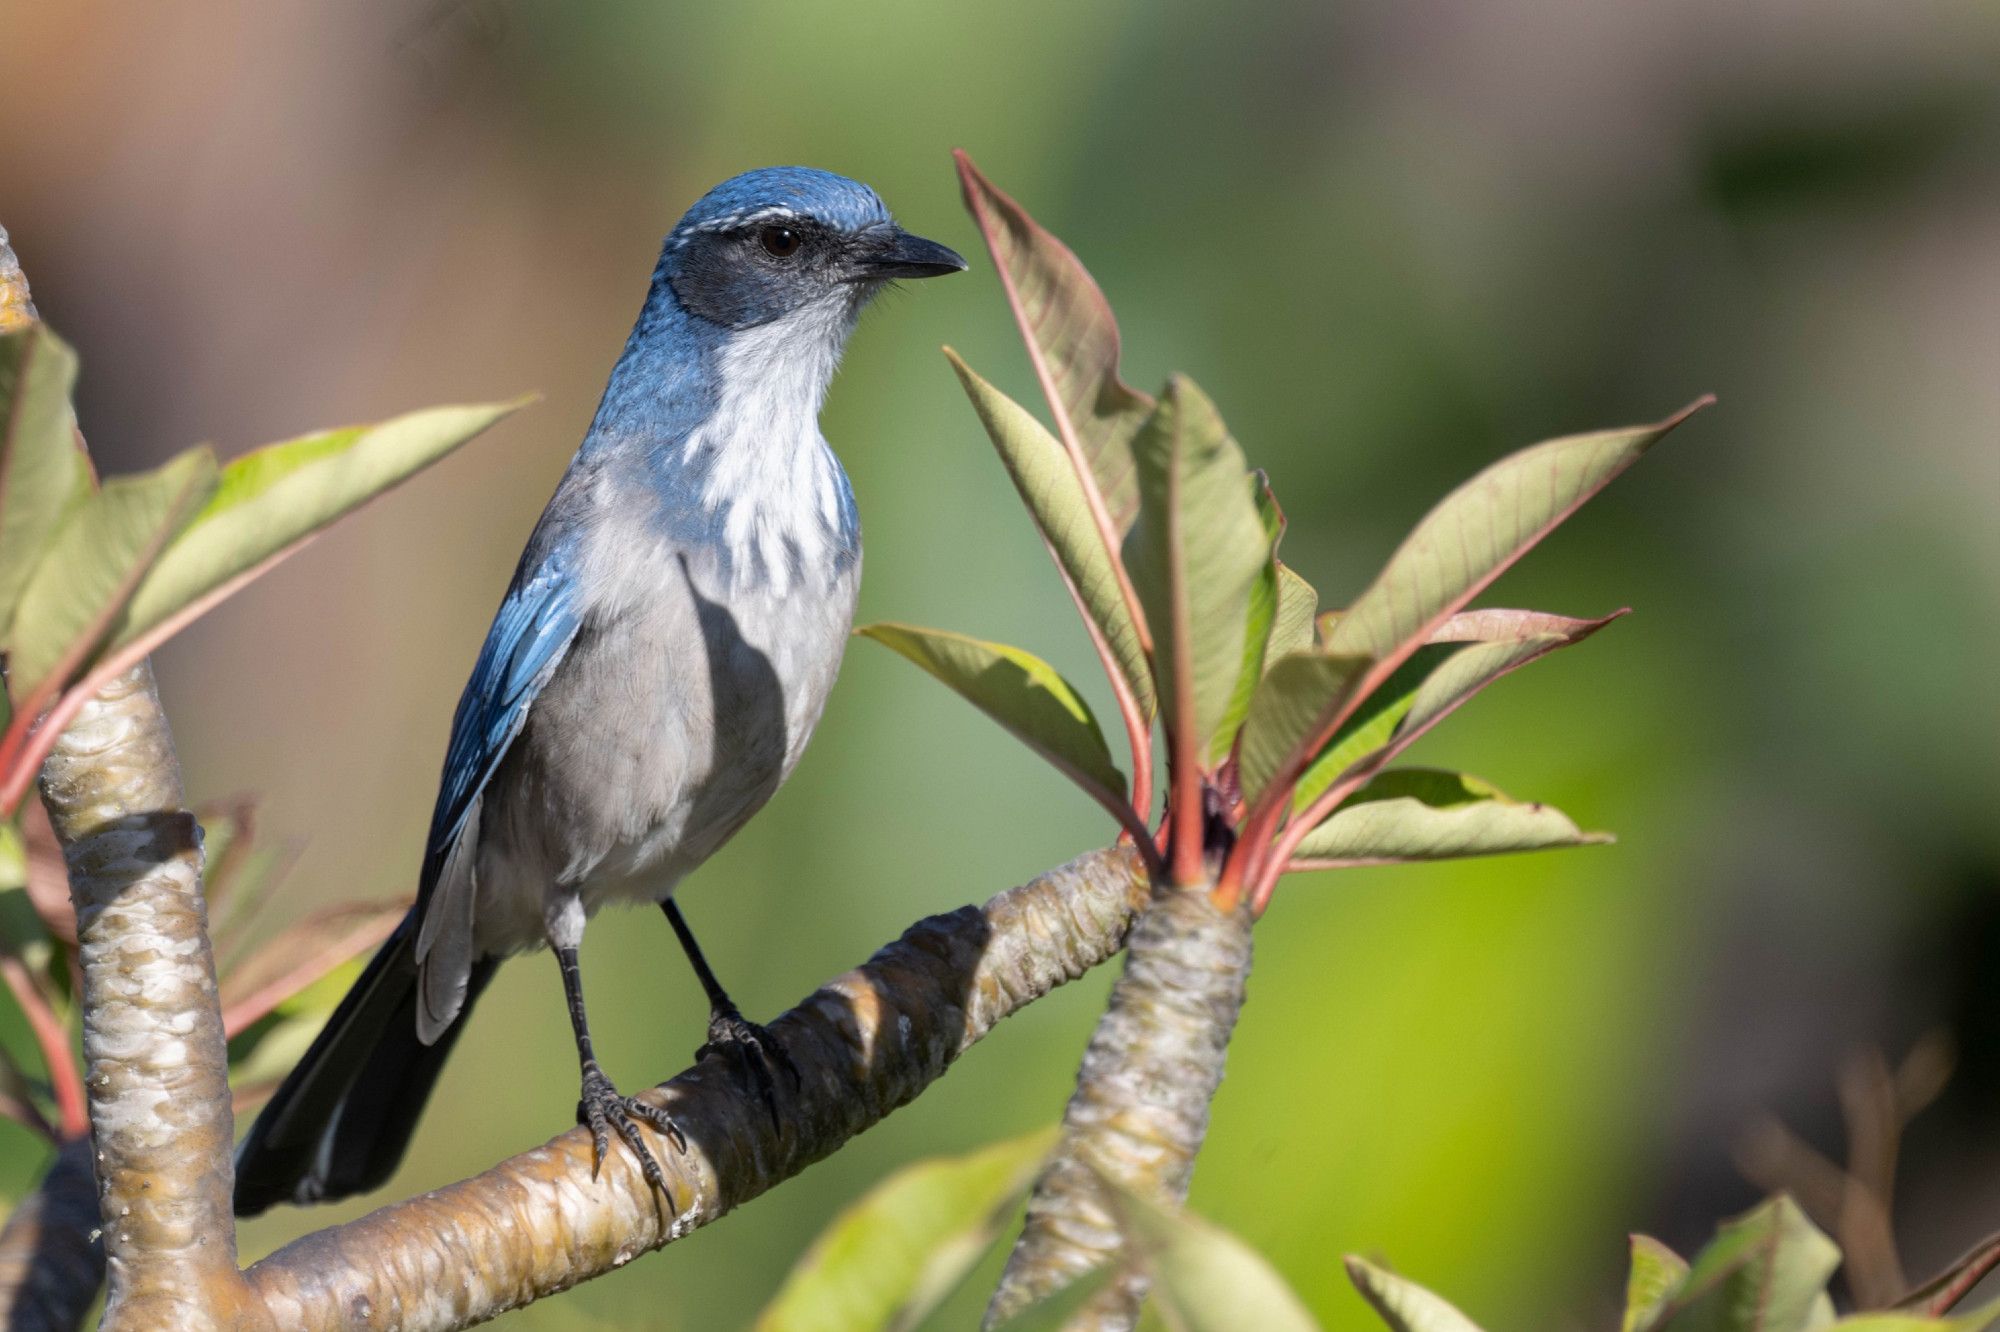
(532, 630)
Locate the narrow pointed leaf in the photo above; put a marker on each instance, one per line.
(1469, 653)
(41, 472)
(95, 560)
(1020, 691)
(1480, 529)
(1656, 1272)
(1298, 604)
(1258, 624)
(1204, 1278)
(1428, 814)
(300, 955)
(269, 1048)
(274, 498)
(886, 1262)
(1196, 555)
(1072, 339)
(1291, 706)
(1049, 486)
(1764, 1272)
(1404, 1305)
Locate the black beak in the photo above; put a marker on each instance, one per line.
(894, 253)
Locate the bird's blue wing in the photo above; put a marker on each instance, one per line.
(532, 630)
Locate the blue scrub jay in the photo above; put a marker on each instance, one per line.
(651, 677)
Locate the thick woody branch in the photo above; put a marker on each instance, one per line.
(1140, 1110)
(156, 1065)
(156, 1069)
(864, 1044)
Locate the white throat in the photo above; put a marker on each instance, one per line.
(771, 474)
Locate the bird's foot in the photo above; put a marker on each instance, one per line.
(752, 1054)
(606, 1111)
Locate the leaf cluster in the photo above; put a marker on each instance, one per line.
(1279, 722)
(93, 576)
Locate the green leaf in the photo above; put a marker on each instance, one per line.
(1049, 486)
(267, 1049)
(1204, 1278)
(1293, 703)
(41, 471)
(96, 559)
(1404, 1305)
(1196, 556)
(1467, 653)
(1298, 603)
(1259, 624)
(1428, 814)
(1072, 340)
(1656, 1272)
(298, 955)
(13, 857)
(274, 498)
(1764, 1272)
(891, 1258)
(1020, 691)
(1478, 530)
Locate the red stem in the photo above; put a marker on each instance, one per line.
(53, 1038)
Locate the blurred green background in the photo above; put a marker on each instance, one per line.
(1393, 241)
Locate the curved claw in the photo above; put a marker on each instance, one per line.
(751, 1053)
(605, 1111)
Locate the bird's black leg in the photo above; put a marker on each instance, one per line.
(747, 1047)
(601, 1106)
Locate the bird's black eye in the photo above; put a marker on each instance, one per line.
(780, 242)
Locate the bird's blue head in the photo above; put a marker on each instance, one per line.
(789, 240)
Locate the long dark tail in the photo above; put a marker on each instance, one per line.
(341, 1122)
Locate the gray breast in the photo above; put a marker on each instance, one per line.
(686, 700)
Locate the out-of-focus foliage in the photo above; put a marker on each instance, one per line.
(126, 564)
(887, 1261)
(1392, 242)
(1766, 1271)
(121, 567)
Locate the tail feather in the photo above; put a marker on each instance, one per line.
(340, 1123)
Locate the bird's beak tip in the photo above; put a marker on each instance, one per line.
(900, 254)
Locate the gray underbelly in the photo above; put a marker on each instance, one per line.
(663, 730)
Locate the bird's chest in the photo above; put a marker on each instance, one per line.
(702, 666)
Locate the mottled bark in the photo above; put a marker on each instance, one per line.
(50, 1262)
(865, 1043)
(155, 1063)
(1140, 1109)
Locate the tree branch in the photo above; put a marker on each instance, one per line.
(156, 1066)
(865, 1043)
